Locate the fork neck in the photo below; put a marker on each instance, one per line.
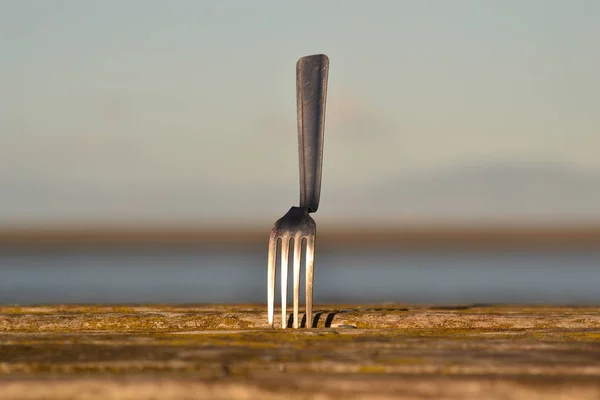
(293, 220)
(298, 212)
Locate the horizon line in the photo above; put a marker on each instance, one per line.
(431, 236)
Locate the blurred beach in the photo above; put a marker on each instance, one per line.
(441, 267)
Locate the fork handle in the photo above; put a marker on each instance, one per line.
(311, 88)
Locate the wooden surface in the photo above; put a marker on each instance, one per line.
(379, 352)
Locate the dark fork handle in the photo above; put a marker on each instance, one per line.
(311, 86)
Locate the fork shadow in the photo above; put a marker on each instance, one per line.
(315, 322)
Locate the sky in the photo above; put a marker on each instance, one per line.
(184, 111)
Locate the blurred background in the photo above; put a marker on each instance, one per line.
(147, 147)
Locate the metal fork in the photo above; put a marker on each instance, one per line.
(297, 228)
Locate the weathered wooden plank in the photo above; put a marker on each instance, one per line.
(379, 351)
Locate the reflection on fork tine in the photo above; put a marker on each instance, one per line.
(310, 277)
(271, 278)
(297, 250)
(285, 243)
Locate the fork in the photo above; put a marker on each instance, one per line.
(297, 227)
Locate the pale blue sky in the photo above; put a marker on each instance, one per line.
(181, 109)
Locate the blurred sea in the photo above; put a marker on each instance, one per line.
(445, 277)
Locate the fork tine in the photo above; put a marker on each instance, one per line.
(297, 255)
(310, 276)
(271, 278)
(285, 246)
